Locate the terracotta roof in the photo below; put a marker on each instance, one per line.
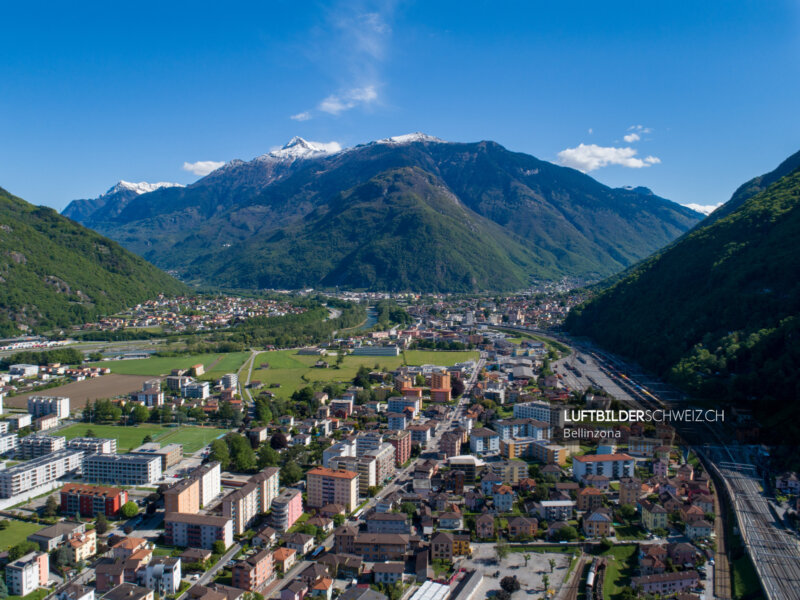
(602, 457)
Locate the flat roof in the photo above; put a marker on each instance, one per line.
(602, 457)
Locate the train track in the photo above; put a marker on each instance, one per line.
(570, 592)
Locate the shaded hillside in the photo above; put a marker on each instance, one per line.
(54, 272)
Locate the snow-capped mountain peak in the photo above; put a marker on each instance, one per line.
(410, 138)
(300, 148)
(141, 187)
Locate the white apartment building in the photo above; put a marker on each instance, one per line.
(122, 469)
(39, 471)
(39, 406)
(93, 445)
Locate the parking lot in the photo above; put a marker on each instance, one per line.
(530, 577)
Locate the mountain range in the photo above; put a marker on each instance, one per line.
(55, 272)
(718, 311)
(406, 213)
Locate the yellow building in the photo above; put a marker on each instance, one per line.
(327, 486)
(83, 546)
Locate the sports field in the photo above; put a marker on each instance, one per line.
(215, 365)
(293, 371)
(128, 437)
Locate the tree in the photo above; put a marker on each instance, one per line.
(605, 546)
(627, 512)
(219, 452)
(338, 520)
(101, 525)
(50, 507)
(3, 589)
(510, 584)
(527, 557)
(457, 388)
(419, 380)
(502, 595)
(140, 414)
(546, 582)
(241, 452)
(501, 551)
(267, 457)
(21, 550)
(552, 564)
(278, 441)
(408, 508)
(291, 473)
(219, 547)
(90, 433)
(147, 439)
(129, 510)
(566, 534)
(62, 558)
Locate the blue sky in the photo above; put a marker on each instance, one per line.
(687, 98)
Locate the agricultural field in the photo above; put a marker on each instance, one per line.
(17, 531)
(215, 365)
(81, 392)
(293, 371)
(128, 437)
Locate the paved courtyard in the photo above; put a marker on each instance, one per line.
(530, 577)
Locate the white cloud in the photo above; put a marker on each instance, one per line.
(632, 137)
(591, 131)
(202, 167)
(640, 129)
(337, 103)
(589, 157)
(706, 209)
(303, 116)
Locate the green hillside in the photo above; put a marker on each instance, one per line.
(54, 272)
(718, 311)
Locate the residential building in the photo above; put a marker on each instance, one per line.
(9, 442)
(509, 471)
(129, 591)
(598, 523)
(385, 461)
(540, 411)
(38, 472)
(484, 526)
(75, 591)
(284, 559)
(554, 510)
(339, 449)
(613, 466)
(23, 370)
(37, 444)
(630, 490)
(484, 441)
(450, 520)
(209, 476)
(39, 406)
(27, 574)
(366, 442)
(183, 497)
(654, 516)
(253, 572)
(150, 395)
(53, 536)
(450, 444)
(254, 498)
(122, 469)
(522, 527)
(401, 404)
(380, 547)
(197, 531)
(522, 428)
(93, 445)
(229, 381)
(82, 545)
(163, 575)
(388, 523)
(170, 455)
(302, 543)
(642, 446)
(401, 441)
(326, 486)
(19, 421)
(589, 498)
(442, 546)
(45, 422)
(199, 390)
(542, 450)
(397, 421)
(699, 528)
(92, 500)
(666, 584)
(388, 573)
(287, 507)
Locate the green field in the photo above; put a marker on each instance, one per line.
(34, 595)
(293, 371)
(621, 566)
(129, 437)
(216, 365)
(745, 578)
(17, 531)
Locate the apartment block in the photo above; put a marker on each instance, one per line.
(183, 497)
(39, 406)
(339, 449)
(286, 509)
(122, 469)
(385, 461)
(326, 486)
(93, 445)
(27, 574)
(162, 574)
(613, 466)
(39, 471)
(254, 498)
(170, 455)
(92, 500)
(540, 411)
(401, 441)
(9, 443)
(197, 531)
(253, 572)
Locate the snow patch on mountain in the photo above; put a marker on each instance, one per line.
(142, 187)
(300, 148)
(706, 209)
(410, 138)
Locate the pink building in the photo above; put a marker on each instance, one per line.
(287, 508)
(660, 468)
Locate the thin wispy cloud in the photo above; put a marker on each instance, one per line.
(202, 167)
(590, 157)
(358, 36)
(640, 129)
(632, 137)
